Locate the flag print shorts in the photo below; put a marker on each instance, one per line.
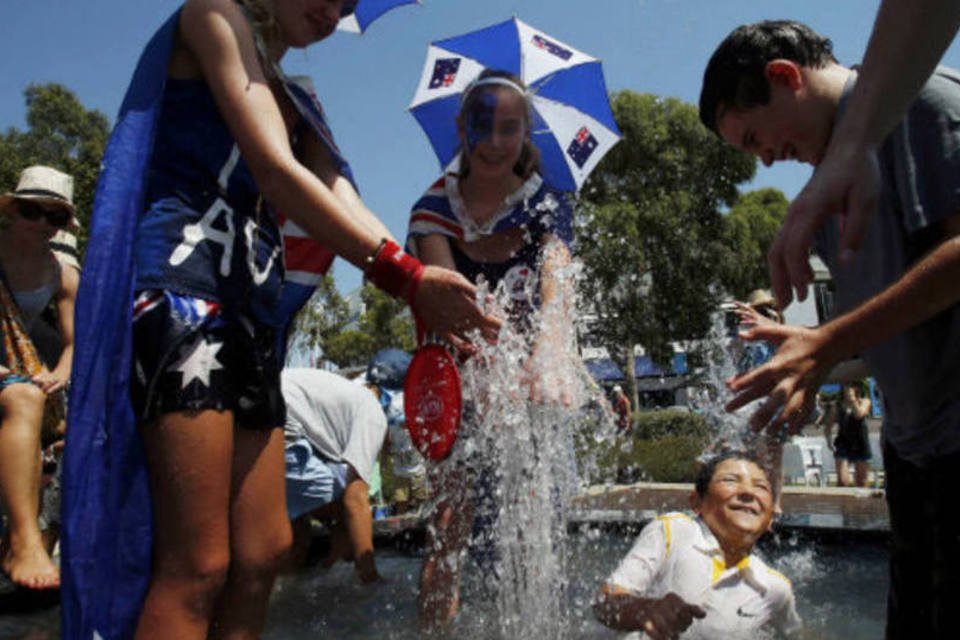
(193, 355)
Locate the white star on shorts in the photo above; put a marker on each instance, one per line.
(201, 360)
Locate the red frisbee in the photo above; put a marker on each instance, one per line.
(432, 401)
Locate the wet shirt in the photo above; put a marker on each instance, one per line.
(680, 554)
(919, 369)
(206, 231)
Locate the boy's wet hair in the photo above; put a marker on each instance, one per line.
(735, 76)
(709, 468)
(529, 161)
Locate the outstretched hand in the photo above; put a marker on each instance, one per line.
(750, 316)
(669, 616)
(789, 380)
(845, 183)
(49, 382)
(445, 303)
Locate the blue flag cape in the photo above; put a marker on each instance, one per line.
(107, 522)
(107, 534)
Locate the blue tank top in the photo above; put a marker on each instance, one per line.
(206, 232)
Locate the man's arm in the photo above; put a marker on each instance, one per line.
(847, 180)
(359, 521)
(805, 357)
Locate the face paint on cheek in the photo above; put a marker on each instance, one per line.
(479, 125)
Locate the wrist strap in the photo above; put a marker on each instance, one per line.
(394, 271)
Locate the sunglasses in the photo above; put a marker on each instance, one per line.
(56, 216)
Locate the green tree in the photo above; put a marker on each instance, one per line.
(651, 230)
(323, 317)
(61, 133)
(326, 323)
(386, 320)
(750, 228)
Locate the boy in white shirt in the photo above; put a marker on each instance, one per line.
(697, 576)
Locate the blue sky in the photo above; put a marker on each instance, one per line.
(366, 82)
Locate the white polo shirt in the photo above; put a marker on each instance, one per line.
(678, 553)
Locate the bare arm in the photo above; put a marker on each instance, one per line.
(359, 521)
(548, 368)
(317, 158)
(55, 380)
(828, 421)
(862, 408)
(218, 36)
(847, 181)
(665, 617)
(435, 249)
(556, 288)
(889, 79)
(806, 356)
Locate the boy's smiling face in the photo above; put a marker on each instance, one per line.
(738, 503)
(791, 126)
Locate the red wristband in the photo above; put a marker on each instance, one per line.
(394, 271)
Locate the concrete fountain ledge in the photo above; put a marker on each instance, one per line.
(817, 511)
(827, 508)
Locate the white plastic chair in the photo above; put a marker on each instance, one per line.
(800, 468)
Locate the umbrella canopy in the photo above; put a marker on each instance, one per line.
(366, 11)
(573, 126)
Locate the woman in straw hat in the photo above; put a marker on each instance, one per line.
(31, 280)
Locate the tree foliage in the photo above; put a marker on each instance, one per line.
(326, 323)
(651, 232)
(62, 134)
(750, 228)
(323, 317)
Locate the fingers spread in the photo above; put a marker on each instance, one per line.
(768, 411)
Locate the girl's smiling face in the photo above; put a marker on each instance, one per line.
(493, 130)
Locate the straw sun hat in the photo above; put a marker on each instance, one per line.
(44, 185)
(761, 298)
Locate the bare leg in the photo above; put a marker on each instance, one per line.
(861, 472)
(25, 557)
(843, 473)
(439, 598)
(302, 536)
(189, 458)
(260, 535)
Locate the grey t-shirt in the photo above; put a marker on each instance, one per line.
(919, 369)
(342, 419)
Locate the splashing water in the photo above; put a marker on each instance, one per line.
(527, 445)
(731, 430)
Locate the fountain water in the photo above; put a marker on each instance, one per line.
(528, 447)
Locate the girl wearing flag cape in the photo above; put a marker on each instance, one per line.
(226, 141)
(491, 218)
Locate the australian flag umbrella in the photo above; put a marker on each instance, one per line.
(366, 11)
(573, 125)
